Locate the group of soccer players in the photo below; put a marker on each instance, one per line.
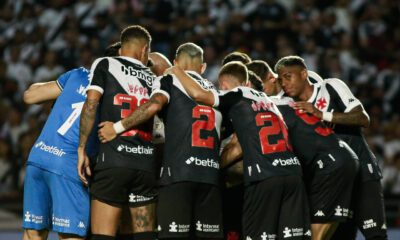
(268, 156)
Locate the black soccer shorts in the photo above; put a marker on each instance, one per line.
(123, 186)
(186, 207)
(330, 194)
(276, 208)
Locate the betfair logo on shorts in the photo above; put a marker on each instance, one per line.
(202, 163)
(286, 162)
(137, 150)
(50, 149)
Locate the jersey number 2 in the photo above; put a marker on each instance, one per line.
(203, 125)
(311, 120)
(276, 127)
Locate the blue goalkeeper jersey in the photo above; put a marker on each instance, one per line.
(56, 148)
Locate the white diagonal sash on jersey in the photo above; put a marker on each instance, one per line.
(127, 82)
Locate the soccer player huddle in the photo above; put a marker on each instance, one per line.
(138, 149)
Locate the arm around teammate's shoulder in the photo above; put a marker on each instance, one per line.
(41, 92)
(195, 91)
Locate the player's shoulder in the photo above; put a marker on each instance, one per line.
(336, 83)
(282, 100)
(252, 93)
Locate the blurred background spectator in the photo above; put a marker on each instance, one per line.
(357, 41)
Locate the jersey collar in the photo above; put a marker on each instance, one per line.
(133, 60)
(194, 73)
(280, 94)
(314, 94)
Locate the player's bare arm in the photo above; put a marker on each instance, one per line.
(41, 92)
(356, 117)
(141, 115)
(232, 151)
(194, 90)
(88, 117)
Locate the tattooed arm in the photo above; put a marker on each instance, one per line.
(137, 117)
(88, 117)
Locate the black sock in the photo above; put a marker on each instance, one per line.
(124, 236)
(101, 237)
(145, 236)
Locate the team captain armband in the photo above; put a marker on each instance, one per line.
(118, 127)
(327, 116)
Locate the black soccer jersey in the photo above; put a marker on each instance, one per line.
(333, 95)
(125, 84)
(267, 151)
(192, 134)
(312, 139)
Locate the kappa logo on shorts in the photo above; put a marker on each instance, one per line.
(266, 236)
(320, 164)
(248, 238)
(319, 213)
(384, 226)
(173, 227)
(202, 163)
(308, 233)
(81, 225)
(286, 162)
(137, 150)
(370, 223)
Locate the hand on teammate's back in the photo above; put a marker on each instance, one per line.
(106, 132)
(83, 165)
(308, 108)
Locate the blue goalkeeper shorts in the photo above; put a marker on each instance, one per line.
(52, 201)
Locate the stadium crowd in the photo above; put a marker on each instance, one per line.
(356, 41)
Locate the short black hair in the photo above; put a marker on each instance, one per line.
(135, 31)
(259, 67)
(290, 61)
(236, 56)
(190, 49)
(236, 69)
(255, 81)
(112, 50)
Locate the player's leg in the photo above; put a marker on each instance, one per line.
(174, 210)
(208, 212)
(31, 234)
(71, 207)
(261, 208)
(109, 194)
(322, 231)
(142, 200)
(294, 216)
(104, 219)
(232, 199)
(125, 227)
(37, 204)
(369, 213)
(330, 194)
